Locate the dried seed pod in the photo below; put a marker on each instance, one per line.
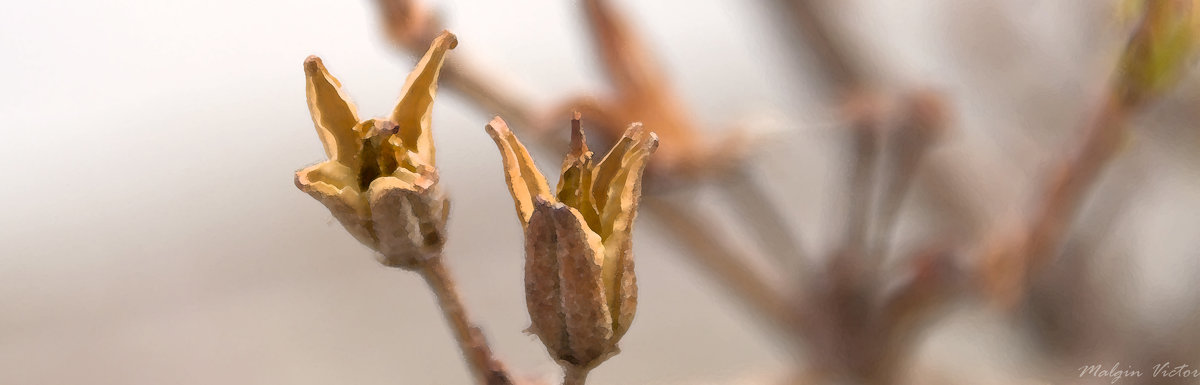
(380, 180)
(580, 286)
(564, 284)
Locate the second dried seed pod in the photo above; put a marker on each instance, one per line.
(580, 287)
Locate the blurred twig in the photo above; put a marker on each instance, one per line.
(908, 144)
(1071, 316)
(732, 268)
(854, 337)
(1153, 59)
(867, 115)
(1007, 266)
(769, 225)
(810, 24)
(848, 79)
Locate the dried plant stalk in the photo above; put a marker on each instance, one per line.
(486, 368)
(1153, 60)
(732, 268)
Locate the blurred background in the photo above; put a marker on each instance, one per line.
(151, 232)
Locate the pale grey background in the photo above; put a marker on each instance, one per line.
(151, 233)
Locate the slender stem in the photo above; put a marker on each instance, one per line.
(958, 213)
(812, 25)
(866, 126)
(465, 77)
(1071, 178)
(1066, 185)
(768, 223)
(470, 339)
(907, 146)
(722, 261)
(898, 179)
(846, 73)
(574, 375)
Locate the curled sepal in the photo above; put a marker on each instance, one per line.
(520, 173)
(333, 114)
(623, 195)
(414, 111)
(568, 306)
(409, 220)
(610, 166)
(332, 184)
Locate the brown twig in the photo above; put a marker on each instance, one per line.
(465, 77)
(848, 79)
(855, 340)
(811, 25)
(1070, 314)
(754, 204)
(1007, 267)
(1072, 177)
(1144, 72)
(867, 120)
(722, 261)
(907, 146)
(470, 338)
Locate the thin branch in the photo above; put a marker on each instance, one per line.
(470, 338)
(907, 146)
(866, 125)
(849, 79)
(810, 24)
(1067, 305)
(1007, 268)
(722, 261)
(768, 223)
(1143, 73)
(958, 214)
(1071, 178)
(465, 77)
(931, 280)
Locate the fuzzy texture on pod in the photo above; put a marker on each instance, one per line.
(380, 179)
(580, 286)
